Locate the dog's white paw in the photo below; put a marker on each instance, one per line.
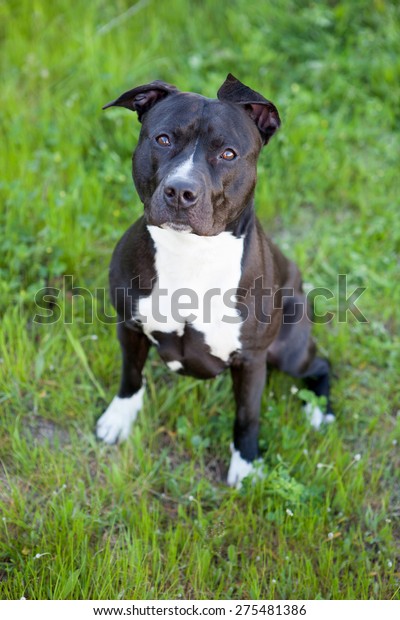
(116, 422)
(316, 417)
(239, 469)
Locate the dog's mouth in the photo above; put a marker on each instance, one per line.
(183, 228)
(162, 220)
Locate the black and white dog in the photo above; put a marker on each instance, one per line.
(196, 276)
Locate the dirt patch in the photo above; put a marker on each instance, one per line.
(43, 431)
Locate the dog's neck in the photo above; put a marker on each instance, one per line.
(244, 222)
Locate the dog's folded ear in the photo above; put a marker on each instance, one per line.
(261, 111)
(142, 98)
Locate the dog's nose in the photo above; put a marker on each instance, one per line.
(181, 194)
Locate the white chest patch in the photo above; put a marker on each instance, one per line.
(197, 278)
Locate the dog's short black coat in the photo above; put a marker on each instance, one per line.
(194, 169)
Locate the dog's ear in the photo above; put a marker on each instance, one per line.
(142, 98)
(261, 111)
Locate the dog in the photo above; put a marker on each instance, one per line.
(194, 169)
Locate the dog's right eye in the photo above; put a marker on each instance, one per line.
(163, 140)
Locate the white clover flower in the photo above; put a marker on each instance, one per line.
(289, 512)
(294, 389)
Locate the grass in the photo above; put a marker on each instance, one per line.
(153, 518)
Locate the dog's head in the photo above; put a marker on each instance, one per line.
(195, 164)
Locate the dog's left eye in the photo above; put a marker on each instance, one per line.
(163, 140)
(228, 155)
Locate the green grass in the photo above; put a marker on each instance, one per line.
(153, 518)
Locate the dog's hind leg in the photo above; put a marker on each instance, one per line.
(294, 352)
(115, 423)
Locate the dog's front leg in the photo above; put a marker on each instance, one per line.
(248, 378)
(115, 423)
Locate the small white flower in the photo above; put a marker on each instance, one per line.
(273, 581)
(330, 535)
(305, 452)
(394, 442)
(289, 512)
(320, 465)
(388, 520)
(294, 389)
(40, 555)
(191, 498)
(258, 558)
(357, 457)
(389, 563)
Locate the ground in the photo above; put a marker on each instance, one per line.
(153, 518)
